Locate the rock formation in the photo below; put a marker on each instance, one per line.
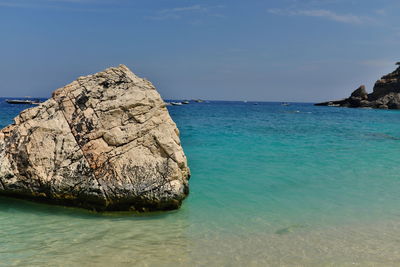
(104, 142)
(385, 95)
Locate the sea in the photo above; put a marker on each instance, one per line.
(271, 185)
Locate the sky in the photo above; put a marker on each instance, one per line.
(260, 50)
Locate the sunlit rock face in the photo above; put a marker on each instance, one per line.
(104, 142)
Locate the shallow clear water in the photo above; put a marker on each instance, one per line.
(271, 185)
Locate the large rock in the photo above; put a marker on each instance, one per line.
(103, 142)
(360, 93)
(386, 94)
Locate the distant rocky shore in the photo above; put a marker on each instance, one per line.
(103, 142)
(385, 95)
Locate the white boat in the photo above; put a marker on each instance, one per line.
(176, 103)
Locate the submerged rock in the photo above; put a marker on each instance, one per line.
(385, 95)
(104, 142)
(289, 229)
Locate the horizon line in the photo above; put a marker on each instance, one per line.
(190, 99)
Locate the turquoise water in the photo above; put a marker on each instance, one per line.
(271, 185)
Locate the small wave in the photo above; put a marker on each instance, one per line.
(383, 136)
(297, 111)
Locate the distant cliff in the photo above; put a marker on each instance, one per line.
(385, 95)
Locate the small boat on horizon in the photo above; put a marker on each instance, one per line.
(22, 101)
(285, 104)
(185, 102)
(176, 103)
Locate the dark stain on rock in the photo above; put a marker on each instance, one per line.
(105, 84)
(81, 101)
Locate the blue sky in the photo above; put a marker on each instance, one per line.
(278, 50)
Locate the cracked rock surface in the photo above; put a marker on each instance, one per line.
(104, 142)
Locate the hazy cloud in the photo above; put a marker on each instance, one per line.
(321, 13)
(183, 9)
(380, 11)
(179, 12)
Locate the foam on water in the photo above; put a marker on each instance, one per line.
(271, 185)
